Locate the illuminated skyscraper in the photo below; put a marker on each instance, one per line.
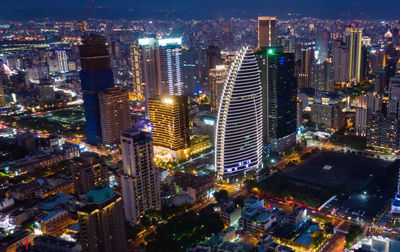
(115, 115)
(279, 97)
(353, 39)
(306, 64)
(137, 73)
(96, 77)
(169, 117)
(2, 98)
(140, 180)
(62, 60)
(161, 67)
(238, 145)
(171, 66)
(101, 222)
(217, 78)
(266, 31)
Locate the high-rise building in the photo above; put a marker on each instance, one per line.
(171, 66)
(88, 171)
(137, 73)
(2, 97)
(238, 145)
(322, 78)
(169, 117)
(62, 61)
(161, 67)
(213, 57)
(306, 64)
(340, 60)
(266, 31)
(140, 180)
(115, 115)
(394, 97)
(217, 78)
(279, 97)
(353, 39)
(101, 222)
(194, 71)
(96, 76)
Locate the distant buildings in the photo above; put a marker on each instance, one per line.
(169, 117)
(88, 172)
(238, 146)
(140, 180)
(279, 97)
(62, 60)
(101, 222)
(115, 115)
(96, 77)
(266, 31)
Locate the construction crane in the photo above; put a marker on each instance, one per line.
(84, 23)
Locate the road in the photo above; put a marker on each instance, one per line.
(335, 244)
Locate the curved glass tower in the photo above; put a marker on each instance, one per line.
(238, 145)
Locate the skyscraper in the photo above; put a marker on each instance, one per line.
(140, 180)
(266, 31)
(88, 171)
(213, 57)
(238, 146)
(115, 115)
(217, 78)
(394, 97)
(279, 97)
(101, 222)
(137, 73)
(2, 98)
(306, 64)
(171, 66)
(169, 117)
(353, 39)
(96, 77)
(62, 61)
(340, 59)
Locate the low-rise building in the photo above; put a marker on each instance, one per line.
(230, 213)
(255, 218)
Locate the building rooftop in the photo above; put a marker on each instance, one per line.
(99, 194)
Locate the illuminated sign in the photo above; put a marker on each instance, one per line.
(170, 41)
(168, 101)
(146, 41)
(209, 122)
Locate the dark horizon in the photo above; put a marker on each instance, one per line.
(207, 9)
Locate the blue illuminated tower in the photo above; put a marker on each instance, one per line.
(96, 76)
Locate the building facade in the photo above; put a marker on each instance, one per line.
(101, 222)
(169, 117)
(266, 31)
(115, 115)
(238, 146)
(217, 78)
(140, 180)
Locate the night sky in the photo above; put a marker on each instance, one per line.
(187, 9)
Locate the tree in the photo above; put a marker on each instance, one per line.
(351, 236)
(221, 195)
(328, 228)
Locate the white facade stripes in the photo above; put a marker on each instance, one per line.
(238, 145)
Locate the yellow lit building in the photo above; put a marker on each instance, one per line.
(169, 117)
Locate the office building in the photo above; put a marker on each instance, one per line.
(137, 73)
(383, 134)
(169, 117)
(322, 76)
(327, 114)
(101, 222)
(194, 71)
(217, 78)
(62, 60)
(2, 96)
(171, 66)
(394, 97)
(213, 57)
(115, 115)
(238, 147)
(353, 39)
(140, 180)
(279, 87)
(88, 171)
(306, 63)
(340, 60)
(266, 31)
(96, 76)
